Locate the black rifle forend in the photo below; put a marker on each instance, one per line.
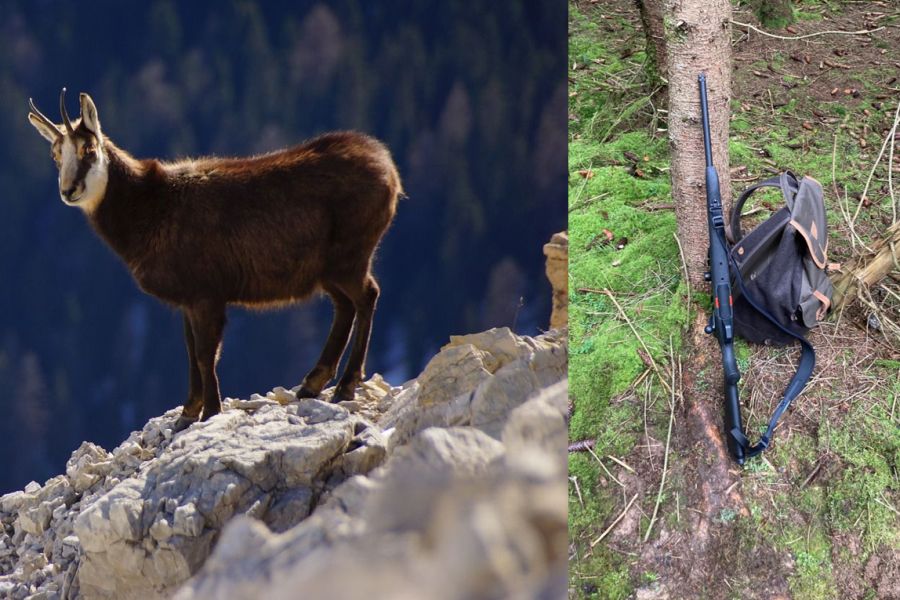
(721, 322)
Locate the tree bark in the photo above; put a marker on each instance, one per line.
(698, 40)
(654, 31)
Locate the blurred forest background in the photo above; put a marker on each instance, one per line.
(470, 97)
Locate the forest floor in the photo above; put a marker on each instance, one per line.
(818, 514)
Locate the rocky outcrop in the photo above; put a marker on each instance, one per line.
(455, 513)
(557, 252)
(451, 478)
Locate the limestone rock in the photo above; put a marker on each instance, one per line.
(557, 269)
(475, 380)
(451, 512)
(447, 483)
(150, 532)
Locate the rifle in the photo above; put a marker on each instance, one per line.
(721, 321)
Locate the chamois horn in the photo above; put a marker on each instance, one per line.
(62, 109)
(43, 117)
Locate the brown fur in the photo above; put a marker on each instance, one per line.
(258, 232)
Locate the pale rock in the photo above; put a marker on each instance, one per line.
(476, 380)
(495, 398)
(500, 343)
(447, 513)
(447, 483)
(557, 270)
(188, 521)
(281, 395)
(453, 372)
(161, 530)
(367, 450)
(351, 406)
(32, 563)
(35, 520)
(10, 503)
(251, 405)
(152, 530)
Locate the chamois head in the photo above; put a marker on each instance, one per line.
(78, 151)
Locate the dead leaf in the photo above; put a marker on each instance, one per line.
(807, 125)
(586, 173)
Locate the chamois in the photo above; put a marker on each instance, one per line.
(263, 231)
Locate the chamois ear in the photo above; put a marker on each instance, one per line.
(89, 115)
(48, 131)
(47, 128)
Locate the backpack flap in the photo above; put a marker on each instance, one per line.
(808, 218)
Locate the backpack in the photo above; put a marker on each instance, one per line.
(780, 285)
(782, 263)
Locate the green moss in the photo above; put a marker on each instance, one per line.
(869, 446)
(811, 549)
(599, 573)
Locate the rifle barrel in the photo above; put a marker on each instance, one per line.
(704, 112)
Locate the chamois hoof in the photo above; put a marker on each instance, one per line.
(209, 414)
(305, 392)
(344, 394)
(183, 423)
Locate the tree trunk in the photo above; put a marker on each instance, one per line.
(774, 14)
(654, 31)
(698, 40)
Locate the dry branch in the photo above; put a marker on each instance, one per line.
(869, 269)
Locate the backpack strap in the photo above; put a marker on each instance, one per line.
(789, 185)
(795, 386)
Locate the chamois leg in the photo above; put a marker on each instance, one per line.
(194, 404)
(208, 323)
(364, 299)
(327, 364)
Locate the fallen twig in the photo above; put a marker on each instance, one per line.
(662, 481)
(687, 280)
(808, 35)
(619, 462)
(638, 336)
(889, 139)
(574, 480)
(614, 523)
(812, 474)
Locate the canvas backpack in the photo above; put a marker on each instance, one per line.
(780, 266)
(782, 288)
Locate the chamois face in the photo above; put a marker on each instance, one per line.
(78, 152)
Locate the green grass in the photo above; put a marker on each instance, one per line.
(603, 350)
